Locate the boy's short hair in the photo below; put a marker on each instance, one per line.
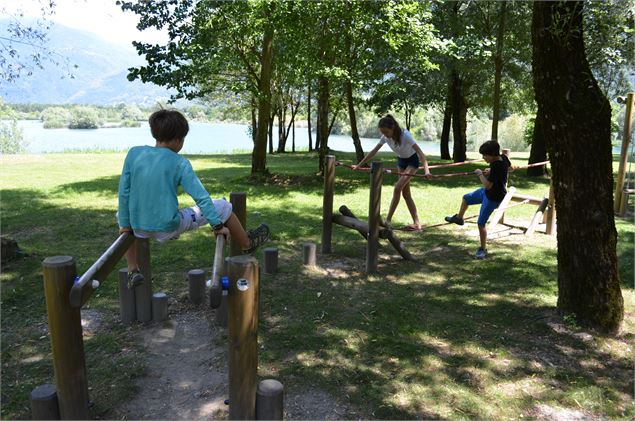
(167, 125)
(491, 148)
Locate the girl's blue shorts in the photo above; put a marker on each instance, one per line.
(404, 163)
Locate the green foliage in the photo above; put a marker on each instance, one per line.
(84, 118)
(12, 140)
(55, 117)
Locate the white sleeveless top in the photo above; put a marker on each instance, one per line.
(406, 147)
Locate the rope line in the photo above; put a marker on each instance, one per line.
(459, 174)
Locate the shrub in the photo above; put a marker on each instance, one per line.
(12, 138)
(84, 118)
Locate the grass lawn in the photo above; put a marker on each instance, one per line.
(444, 337)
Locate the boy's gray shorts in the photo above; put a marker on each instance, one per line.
(191, 218)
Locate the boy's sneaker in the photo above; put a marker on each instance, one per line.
(454, 219)
(257, 237)
(481, 253)
(135, 278)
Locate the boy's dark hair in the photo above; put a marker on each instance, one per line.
(389, 122)
(168, 125)
(491, 148)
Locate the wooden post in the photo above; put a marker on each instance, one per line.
(239, 207)
(537, 216)
(500, 211)
(127, 307)
(374, 209)
(309, 257)
(327, 204)
(44, 405)
(243, 336)
(67, 343)
(143, 292)
(551, 212)
(196, 285)
(160, 306)
(271, 260)
(626, 140)
(270, 400)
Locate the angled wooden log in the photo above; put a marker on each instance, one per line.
(498, 215)
(537, 217)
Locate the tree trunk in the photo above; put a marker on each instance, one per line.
(538, 152)
(293, 136)
(282, 132)
(577, 129)
(308, 117)
(498, 69)
(447, 125)
(459, 119)
(259, 154)
(317, 128)
(323, 119)
(254, 122)
(270, 125)
(359, 152)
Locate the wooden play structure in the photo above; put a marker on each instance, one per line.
(624, 190)
(66, 294)
(545, 212)
(371, 230)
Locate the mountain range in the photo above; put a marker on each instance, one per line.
(98, 68)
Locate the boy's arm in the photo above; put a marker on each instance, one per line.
(193, 186)
(486, 183)
(123, 212)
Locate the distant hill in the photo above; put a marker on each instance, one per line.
(99, 79)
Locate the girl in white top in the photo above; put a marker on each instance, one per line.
(409, 158)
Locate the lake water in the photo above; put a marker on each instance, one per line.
(203, 138)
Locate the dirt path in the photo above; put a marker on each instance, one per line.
(187, 372)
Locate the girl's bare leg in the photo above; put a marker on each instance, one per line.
(412, 208)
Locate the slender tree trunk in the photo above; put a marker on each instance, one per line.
(282, 132)
(323, 119)
(498, 69)
(293, 136)
(254, 122)
(459, 119)
(317, 128)
(308, 117)
(333, 117)
(447, 125)
(294, 110)
(538, 152)
(259, 154)
(270, 125)
(359, 152)
(577, 129)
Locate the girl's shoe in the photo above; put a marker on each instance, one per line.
(257, 237)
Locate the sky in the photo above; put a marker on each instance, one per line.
(101, 17)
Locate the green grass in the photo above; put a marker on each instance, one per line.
(445, 337)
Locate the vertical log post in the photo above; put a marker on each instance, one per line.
(44, 405)
(143, 292)
(620, 197)
(270, 400)
(67, 343)
(271, 260)
(327, 204)
(551, 212)
(243, 336)
(374, 217)
(309, 254)
(196, 285)
(159, 307)
(127, 306)
(239, 207)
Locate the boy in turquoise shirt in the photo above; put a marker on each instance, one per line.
(148, 204)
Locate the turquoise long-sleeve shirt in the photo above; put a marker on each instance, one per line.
(148, 190)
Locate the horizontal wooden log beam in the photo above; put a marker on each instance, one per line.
(516, 197)
(83, 288)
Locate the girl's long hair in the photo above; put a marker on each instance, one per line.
(389, 122)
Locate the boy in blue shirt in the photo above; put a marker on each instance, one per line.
(494, 182)
(148, 204)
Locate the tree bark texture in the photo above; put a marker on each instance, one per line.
(445, 132)
(498, 69)
(308, 116)
(538, 151)
(259, 154)
(577, 119)
(459, 119)
(323, 118)
(359, 152)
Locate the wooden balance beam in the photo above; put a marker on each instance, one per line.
(349, 220)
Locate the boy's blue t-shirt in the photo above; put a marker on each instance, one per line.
(148, 190)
